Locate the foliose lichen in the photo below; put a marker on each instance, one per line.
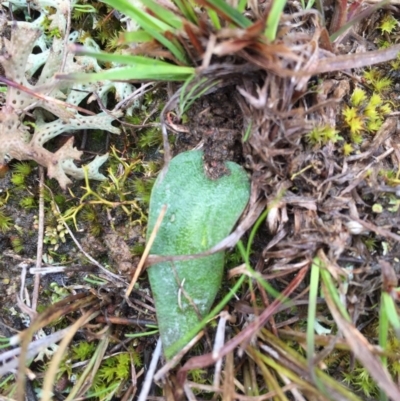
(49, 100)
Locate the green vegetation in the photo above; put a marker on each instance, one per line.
(5, 222)
(309, 293)
(321, 135)
(195, 224)
(366, 114)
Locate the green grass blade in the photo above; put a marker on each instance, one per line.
(121, 58)
(214, 18)
(187, 98)
(186, 8)
(137, 67)
(232, 14)
(248, 131)
(310, 4)
(172, 45)
(312, 309)
(261, 220)
(383, 337)
(152, 25)
(164, 14)
(390, 310)
(257, 276)
(242, 5)
(138, 15)
(311, 320)
(273, 19)
(136, 36)
(142, 334)
(327, 279)
(137, 72)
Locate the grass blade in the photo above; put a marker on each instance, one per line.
(136, 36)
(389, 308)
(187, 10)
(137, 68)
(152, 25)
(228, 12)
(273, 19)
(164, 14)
(135, 73)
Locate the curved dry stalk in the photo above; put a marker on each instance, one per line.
(146, 251)
(54, 312)
(49, 378)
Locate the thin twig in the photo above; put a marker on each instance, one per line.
(39, 251)
(150, 373)
(25, 306)
(146, 251)
(218, 344)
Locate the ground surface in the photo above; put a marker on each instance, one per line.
(335, 196)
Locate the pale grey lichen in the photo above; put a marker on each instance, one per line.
(15, 140)
(48, 94)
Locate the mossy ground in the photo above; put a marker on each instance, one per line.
(320, 185)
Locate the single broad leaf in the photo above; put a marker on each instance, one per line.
(201, 212)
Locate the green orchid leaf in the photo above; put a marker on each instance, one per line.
(200, 213)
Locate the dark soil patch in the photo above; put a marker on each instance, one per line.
(215, 123)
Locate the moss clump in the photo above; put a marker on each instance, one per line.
(364, 115)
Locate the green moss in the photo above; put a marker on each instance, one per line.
(17, 244)
(137, 249)
(113, 372)
(18, 180)
(83, 351)
(323, 134)
(142, 189)
(90, 217)
(5, 222)
(388, 24)
(28, 202)
(366, 113)
(151, 137)
(378, 80)
(23, 168)
(371, 244)
(347, 149)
